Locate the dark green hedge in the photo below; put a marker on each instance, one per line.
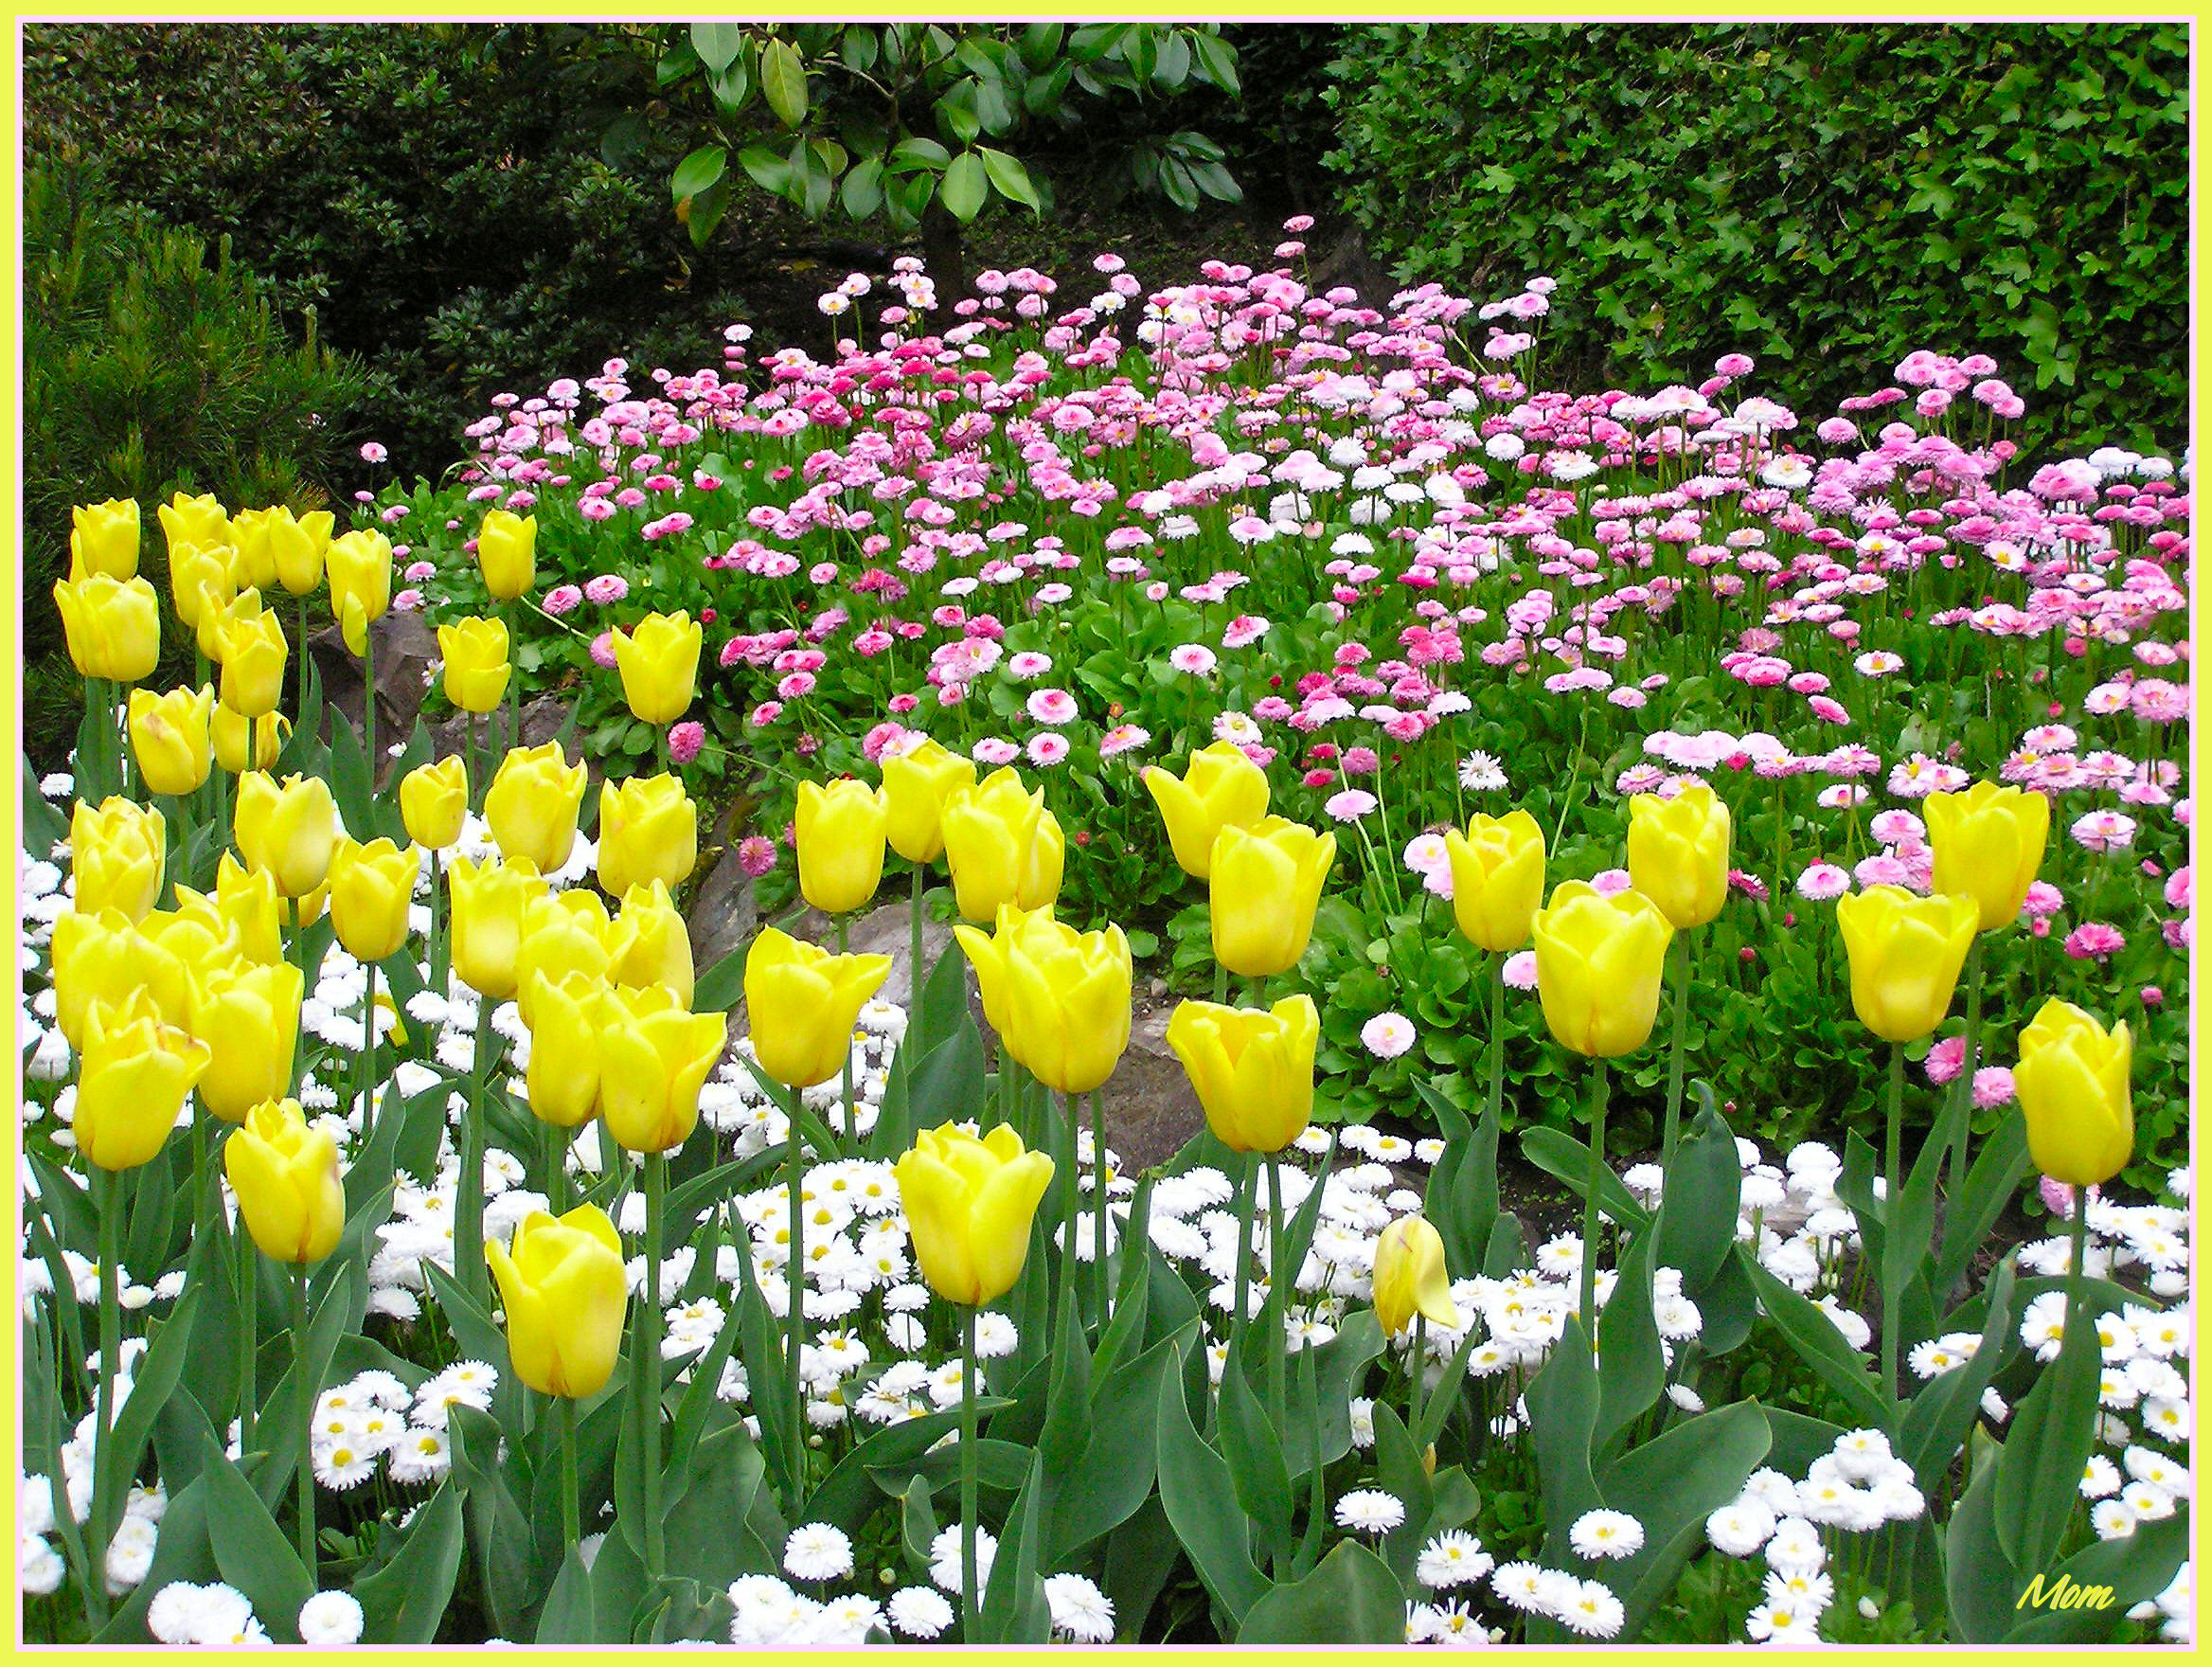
(1824, 197)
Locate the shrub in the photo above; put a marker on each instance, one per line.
(1804, 193)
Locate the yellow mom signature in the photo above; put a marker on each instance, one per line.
(2065, 1593)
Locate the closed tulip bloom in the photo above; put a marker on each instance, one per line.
(201, 939)
(291, 830)
(489, 900)
(532, 805)
(1221, 788)
(1263, 887)
(220, 615)
(117, 851)
(297, 547)
(286, 1178)
(131, 1081)
(1905, 952)
(476, 667)
(1068, 1004)
(359, 565)
(916, 785)
(248, 1017)
(1598, 964)
(1678, 854)
(840, 829)
(247, 744)
(563, 1284)
(2071, 1079)
(803, 1002)
(250, 552)
(1497, 879)
(1988, 844)
(987, 954)
(654, 1057)
(200, 521)
(201, 576)
(507, 553)
(247, 902)
(168, 738)
(433, 803)
(648, 833)
(648, 943)
(113, 626)
(253, 657)
(1002, 846)
(1253, 1068)
(371, 889)
(561, 932)
(566, 1014)
(1410, 1277)
(659, 663)
(106, 958)
(969, 1205)
(103, 538)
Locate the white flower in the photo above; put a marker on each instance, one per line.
(330, 1618)
(817, 1551)
(944, 1558)
(1080, 1609)
(1606, 1535)
(1452, 1558)
(1592, 1610)
(1741, 1529)
(1371, 1511)
(919, 1612)
(1388, 1035)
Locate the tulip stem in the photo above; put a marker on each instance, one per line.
(368, 700)
(1590, 1216)
(515, 682)
(469, 1183)
(111, 1351)
(249, 1321)
(796, 1302)
(1280, 1299)
(1413, 1372)
(1100, 1171)
(554, 1138)
(1962, 1087)
(1063, 1289)
(368, 1050)
(304, 1392)
(969, 1615)
(914, 944)
(1892, 1162)
(571, 1515)
(1680, 950)
(648, 1370)
(303, 657)
(1220, 984)
(1243, 1285)
(1497, 1093)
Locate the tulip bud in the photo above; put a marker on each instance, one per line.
(249, 542)
(286, 1178)
(1002, 846)
(566, 1017)
(290, 830)
(969, 1205)
(803, 1002)
(562, 932)
(131, 1081)
(563, 1284)
(219, 616)
(433, 802)
(659, 663)
(1253, 1068)
(297, 547)
(1410, 1277)
(1264, 884)
(1905, 954)
(987, 956)
(200, 938)
(1678, 854)
(103, 538)
(113, 626)
(532, 805)
(476, 667)
(649, 833)
(198, 521)
(1068, 997)
(648, 943)
(247, 1016)
(916, 786)
(1221, 788)
(1600, 959)
(489, 900)
(105, 958)
(247, 900)
(201, 578)
(2071, 1079)
(507, 553)
(1497, 879)
(840, 831)
(253, 659)
(116, 855)
(1988, 844)
(371, 887)
(247, 744)
(654, 1059)
(360, 569)
(168, 738)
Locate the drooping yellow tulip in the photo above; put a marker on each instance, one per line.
(113, 626)
(371, 887)
(132, 1076)
(566, 1014)
(253, 655)
(476, 667)
(648, 943)
(2071, 1079)
(840, 829)
(659, 664)
(1263, 885)
(987, 954)
(803, 1002)
(118, 852)
(248, 1017)
(1410, 1276)
(562, 1284)
(532, 805)
(299, 546)
(1678, 854)
(103, 538)
(286, 1178)
(248, 901)
(1988, 844)
(359, 565)
(433, 803)
(1067, 998)
(561, 932)
(653, 1058)
(290, 830)
(507, 553)
(917, 784)
(201, 576)
(969, 1205)
(1497, 879)
(198, 521)
(106, 958)
(220, 615)
(648, 833)
(1253, 1068)
(489, 900)
(1002, 846)
(1221, 788)
(247, 744)
(1905, 954)
(1599, 962)
(170, 739)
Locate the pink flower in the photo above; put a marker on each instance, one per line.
(993, 750)
(1360, 760)
(1047, 749)
(1822, 882)
(1192, 657)
(372, 452)
(606, 589)
(1123, 738)
(1052, 706)
(1945, 1059)
(1388, 1035)
(756, 854)
(603, 650)
(2095, 940)
(1521, 969)
(1350, 805)
(685, 740)
(1992, 1087)
(1610, 883)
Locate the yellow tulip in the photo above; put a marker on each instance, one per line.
(1253, 1068)
(360, 569)
(987, 954)
(654, 1059)
(200, 521)
(168, 738)
(1002, 846)
(1905, 952)
(532, 805)
(659, 663)
(371, 889)
(565, 1017)
(1410, 1277)
(1497, 879)
(969, 1205)
(433, 802)
(1678, 854)
(297, 547)
(648, 832)
(286, 1178)
(803, 1002)
(1067, 997)
(200, 938)
(1988, 844)
(563, 1285)
(106, 958)
(1221, 788)
(247, 744)
(489, 900)
(916, 785)
(253, 657)
(507, 553)
(131, 1081)
(200, 576)
(103, 538)
(113, 626)
(1264, 884)
(308, 908)
(648, 943)
(840, 831)
(1599, 960)
(249, 543)
(248, 1017)
(247, 902)
(561, 932)
(116, 854)
(476, 667)
(220, 615)
(290, 830)
(2071, 1079)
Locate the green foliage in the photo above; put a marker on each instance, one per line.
(1809, 194)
